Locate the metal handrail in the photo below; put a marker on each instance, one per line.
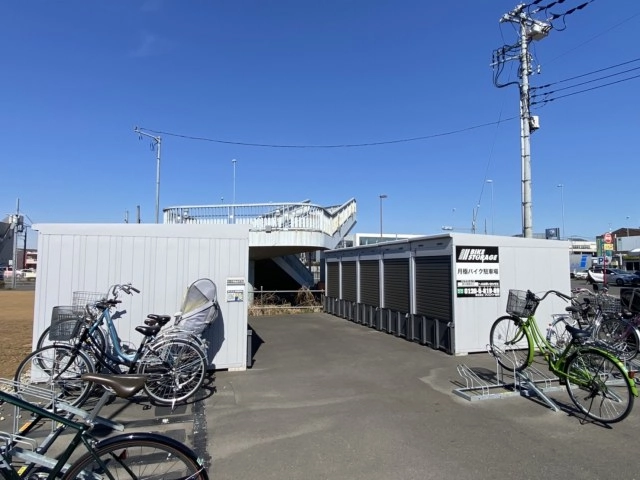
(267, 217)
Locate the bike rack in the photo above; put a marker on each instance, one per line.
(24, 448)
(527, 383)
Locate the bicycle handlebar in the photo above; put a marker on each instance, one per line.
(563, 296)
(126, 288)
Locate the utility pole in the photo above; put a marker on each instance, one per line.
(17, 223)
(156, 143)
(529, 29)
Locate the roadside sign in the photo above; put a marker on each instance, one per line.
(608, 247)
(608, 238)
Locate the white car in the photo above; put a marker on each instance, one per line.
(580, 274)
(613, 276)
(28, 273)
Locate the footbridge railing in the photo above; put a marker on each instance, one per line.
(270, 217)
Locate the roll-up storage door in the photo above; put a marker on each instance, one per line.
(333, 279)
(349, 282)
(434, 297)
(370, 282)
(396, 284)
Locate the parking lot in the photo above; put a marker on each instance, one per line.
(329, 399)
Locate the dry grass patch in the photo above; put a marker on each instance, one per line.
(272, 304)
(16, 329)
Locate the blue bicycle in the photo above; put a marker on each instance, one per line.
(175, 366)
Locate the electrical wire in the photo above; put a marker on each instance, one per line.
(594, 37)
(587, 74)
(544, 102)
(551, 92)
(346, 145)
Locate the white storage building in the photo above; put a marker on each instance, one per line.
(161, 261)
(444, 291)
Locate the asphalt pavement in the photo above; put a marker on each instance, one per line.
(330, 399)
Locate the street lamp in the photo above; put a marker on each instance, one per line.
(628, 226)
(234, 181)
(157, 141)
(490, 182)
(382, 197)
(561, 187)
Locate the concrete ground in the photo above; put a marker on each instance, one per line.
(329, 399)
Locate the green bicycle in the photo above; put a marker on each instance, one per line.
(597, 382)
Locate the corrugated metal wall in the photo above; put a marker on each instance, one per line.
(160, 260)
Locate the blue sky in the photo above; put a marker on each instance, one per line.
(78, 76)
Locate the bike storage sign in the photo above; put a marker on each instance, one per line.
(477, 271)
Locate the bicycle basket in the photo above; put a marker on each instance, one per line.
(519, 305)
(64, 324)
(81, 300)
(609, 304)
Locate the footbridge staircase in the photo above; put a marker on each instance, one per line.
(278, 231)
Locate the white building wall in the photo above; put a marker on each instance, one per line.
(160, 260)
(525, 264)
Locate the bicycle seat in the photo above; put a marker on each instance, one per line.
(153, 319)
(577, 333)
(148, 330)
(124, 386)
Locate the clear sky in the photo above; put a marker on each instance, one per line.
(78, 75)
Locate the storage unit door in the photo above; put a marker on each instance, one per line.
(370, 282)
(434, 297)
(333, 280)
(396, 284)
(349, 282)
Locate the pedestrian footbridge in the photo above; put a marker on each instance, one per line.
(278, 231)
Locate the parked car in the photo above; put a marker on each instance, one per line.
(612, 275)
(6, 272)
(580, 274)
(27, 274)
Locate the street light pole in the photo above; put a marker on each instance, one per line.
(234, 181)
(561, 187)
(628, 217)
(491, 183)
(382, 197)
(157, 143)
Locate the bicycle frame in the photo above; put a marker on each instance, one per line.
(557, 359)
(80, 437)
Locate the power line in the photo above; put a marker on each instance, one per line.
(594, 37)
(551, 92)
(587, 74)
(346, 145)
(543, 102)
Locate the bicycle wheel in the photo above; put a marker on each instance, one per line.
(136, 456)
(618, 336)
(176, 370)
(557, 334)
(598, 386)
(56, 368)
(510, 343)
